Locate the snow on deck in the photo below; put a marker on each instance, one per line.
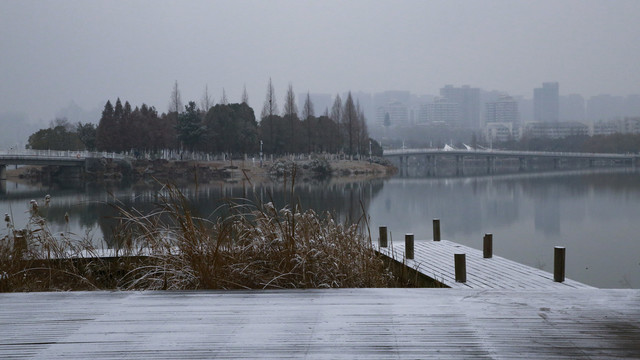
(435, 260)
(322, 324)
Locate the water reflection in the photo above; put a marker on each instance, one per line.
(91, 209)
(593, 213)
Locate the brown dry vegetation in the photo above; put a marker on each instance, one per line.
(252, 246)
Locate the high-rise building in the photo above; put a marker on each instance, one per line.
(397, 113)
(546, 103)
(503, 119)
(394, 103)
(468, 100)
(443, 111)
(572, 108)
(503, 110)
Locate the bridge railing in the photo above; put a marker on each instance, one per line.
(58, 154)
(396, 152)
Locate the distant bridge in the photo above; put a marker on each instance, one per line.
(49, 157)
(524, 158)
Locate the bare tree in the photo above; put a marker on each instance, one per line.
(290, 113)
(223, 99)
(290, 107)
(307, 116)
(362, 134)
(245, 96)
(336, 116)
(307, 111)
(350, 120)
(175, 102)
(270, 107)
(206, 102)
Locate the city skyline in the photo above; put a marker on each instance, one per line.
(88, 52)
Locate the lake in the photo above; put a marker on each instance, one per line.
(595, 214)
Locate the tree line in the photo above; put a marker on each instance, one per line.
(223, 127)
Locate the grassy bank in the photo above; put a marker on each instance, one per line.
(252, 246)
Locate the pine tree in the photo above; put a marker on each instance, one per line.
(105, 128)
(189, 128)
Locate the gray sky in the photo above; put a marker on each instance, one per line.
(53, 52)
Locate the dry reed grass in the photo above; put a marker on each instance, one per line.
(248, 246)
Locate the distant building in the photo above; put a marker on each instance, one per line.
(443, 111)
(398, 114)
(394, 103)
(606, 107)
(503, 110)
(554, 130)
(503, 120)
(572, 108)
(468, 100)
(546, 103)
(628, 125)
(499, 131)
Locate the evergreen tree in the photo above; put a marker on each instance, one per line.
(189, 128)
(104, 132)
(87, 133)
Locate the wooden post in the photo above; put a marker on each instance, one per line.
(436, 229)
(461, 267)
(19, 244)
(408, 246)
(558, 263)
(382, 241)
(487, 246)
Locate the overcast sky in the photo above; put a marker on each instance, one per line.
(54, 52)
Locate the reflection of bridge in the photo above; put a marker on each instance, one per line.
(49, 157)
(524, 158)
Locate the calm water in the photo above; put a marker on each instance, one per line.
(594, 214)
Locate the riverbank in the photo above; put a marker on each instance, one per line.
(210, 171)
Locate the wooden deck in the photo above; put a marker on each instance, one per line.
(435, 260)
(323, 324)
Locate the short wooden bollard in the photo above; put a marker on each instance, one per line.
(461, 267)
(436, 229)
(19, 243)
(408, 246)
(487, 246)
(558, 263)
(382, 241)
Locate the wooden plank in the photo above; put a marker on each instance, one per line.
(435, 259)
(334, 323)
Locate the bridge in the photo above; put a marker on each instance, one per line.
(524, 158)
(49, 157)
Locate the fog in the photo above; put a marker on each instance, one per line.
(61, 54)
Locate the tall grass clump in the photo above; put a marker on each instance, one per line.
(35, 258)
(249, 246)
(243, 246)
